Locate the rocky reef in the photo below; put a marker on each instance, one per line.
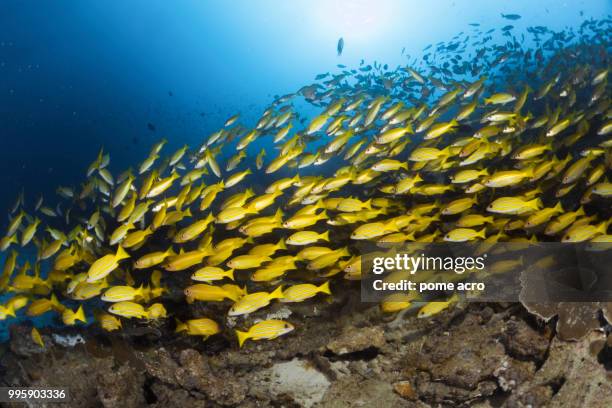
(480, 355)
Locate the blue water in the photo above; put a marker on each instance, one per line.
(76, 76)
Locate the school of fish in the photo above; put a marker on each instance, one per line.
(478, 140)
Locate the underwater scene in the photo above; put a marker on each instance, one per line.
(345, 203)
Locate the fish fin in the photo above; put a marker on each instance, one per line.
(180, 326)
(277, 293)
(536, 203)
(230, 274)
(55, 302)
(279, 214)
(242, 337)
(603, 227)
(121, 254)
(482, 233)
(324, 288)
(80, 315)
(10, 310)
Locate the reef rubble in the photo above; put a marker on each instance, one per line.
(482, 355)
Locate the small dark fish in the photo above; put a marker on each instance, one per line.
(475, 24)
(170, 93)
(321, 76)
(341, 66)
(511, 16)
(151, 127)
(340, 46)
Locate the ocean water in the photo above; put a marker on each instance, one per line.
(80, 76)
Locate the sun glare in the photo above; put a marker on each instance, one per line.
(358, 21)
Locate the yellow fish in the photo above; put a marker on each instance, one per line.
(184, 260)
(128, 310)
(514, 205)
(464, 234)
(122, 293)
(247, 261)
(212, 273)
(105, 265)
(306, 237)
(266, 330)
(301, 292)
(70, 318)
(108, 322)
(36, 337)
(152, 259)
(433, 308)
(198, 327)
(254, 301)
(208, 293)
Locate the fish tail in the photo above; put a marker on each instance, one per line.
(482, 233)
(536, 203)
(180, 326)
(10, 310)
(230, 274)
(277, 293)
(80, 315)
(279, 214)
(603, 227)
(121, 254)
(325, 236)
(55, 302)
(242, 337)
(324, 288)
(281, 244)
(140, 291)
